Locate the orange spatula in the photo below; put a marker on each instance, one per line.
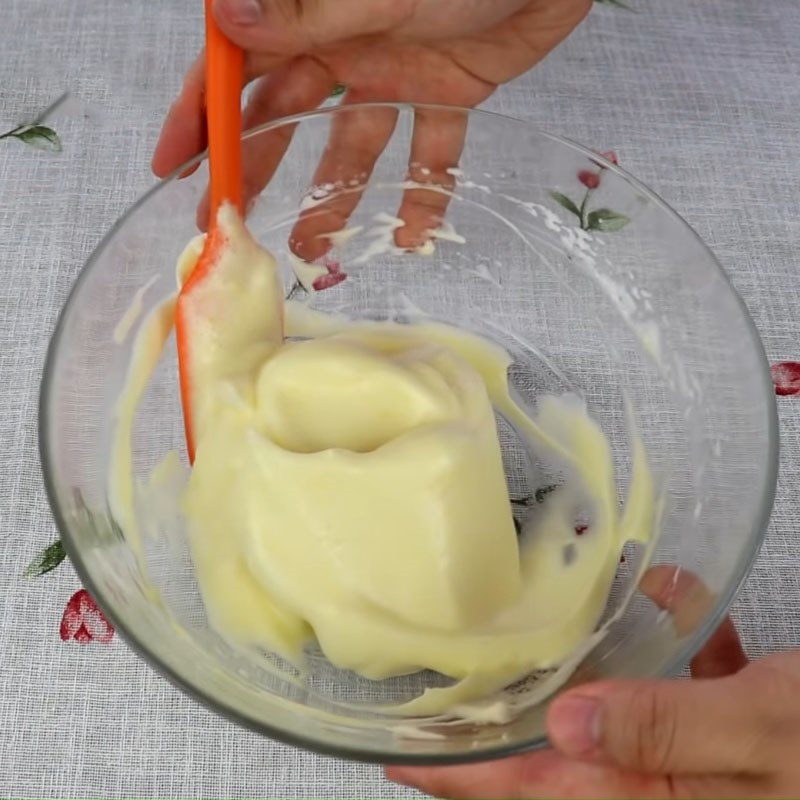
(224, 76)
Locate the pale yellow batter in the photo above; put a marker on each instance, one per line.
(348, 485)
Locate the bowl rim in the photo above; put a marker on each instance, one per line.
(327, 746)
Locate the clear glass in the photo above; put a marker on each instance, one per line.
(618, 299)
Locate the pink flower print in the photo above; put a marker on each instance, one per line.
(591, 180)
(84, 622)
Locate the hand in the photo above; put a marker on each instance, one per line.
(453, 52)
(732, 732)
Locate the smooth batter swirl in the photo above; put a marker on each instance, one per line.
(348, 486)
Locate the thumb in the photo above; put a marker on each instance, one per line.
(667, 726)
(291, 27)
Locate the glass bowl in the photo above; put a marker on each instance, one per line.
(592, 283)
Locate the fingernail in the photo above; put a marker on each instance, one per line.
(187, 172)
(240, 12)
(574, 724)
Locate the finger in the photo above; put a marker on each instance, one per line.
(183, 134)
(290, 27)
(436, 146)
(356, 140)
(667, 726)
(300, 85)
(721, 655)
(685, 596)
(542, 774)
(488, 779)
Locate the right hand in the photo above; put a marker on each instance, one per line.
(453, 52)
(734, 731)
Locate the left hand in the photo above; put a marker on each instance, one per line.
(453, 52)
(734, 731)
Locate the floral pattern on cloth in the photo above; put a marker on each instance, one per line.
(35, 134)
(39, 136)
(82, 620)
(786, 378)
(603, 220)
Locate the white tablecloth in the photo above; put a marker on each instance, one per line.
(700, 99)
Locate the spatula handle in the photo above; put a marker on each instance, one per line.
(224, 77)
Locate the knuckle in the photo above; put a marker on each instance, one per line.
(650, 732)
(775, 716)
(291, 10)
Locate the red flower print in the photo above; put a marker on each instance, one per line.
(786, 377)
(581, 529)
(333, 276)
(84, 622)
